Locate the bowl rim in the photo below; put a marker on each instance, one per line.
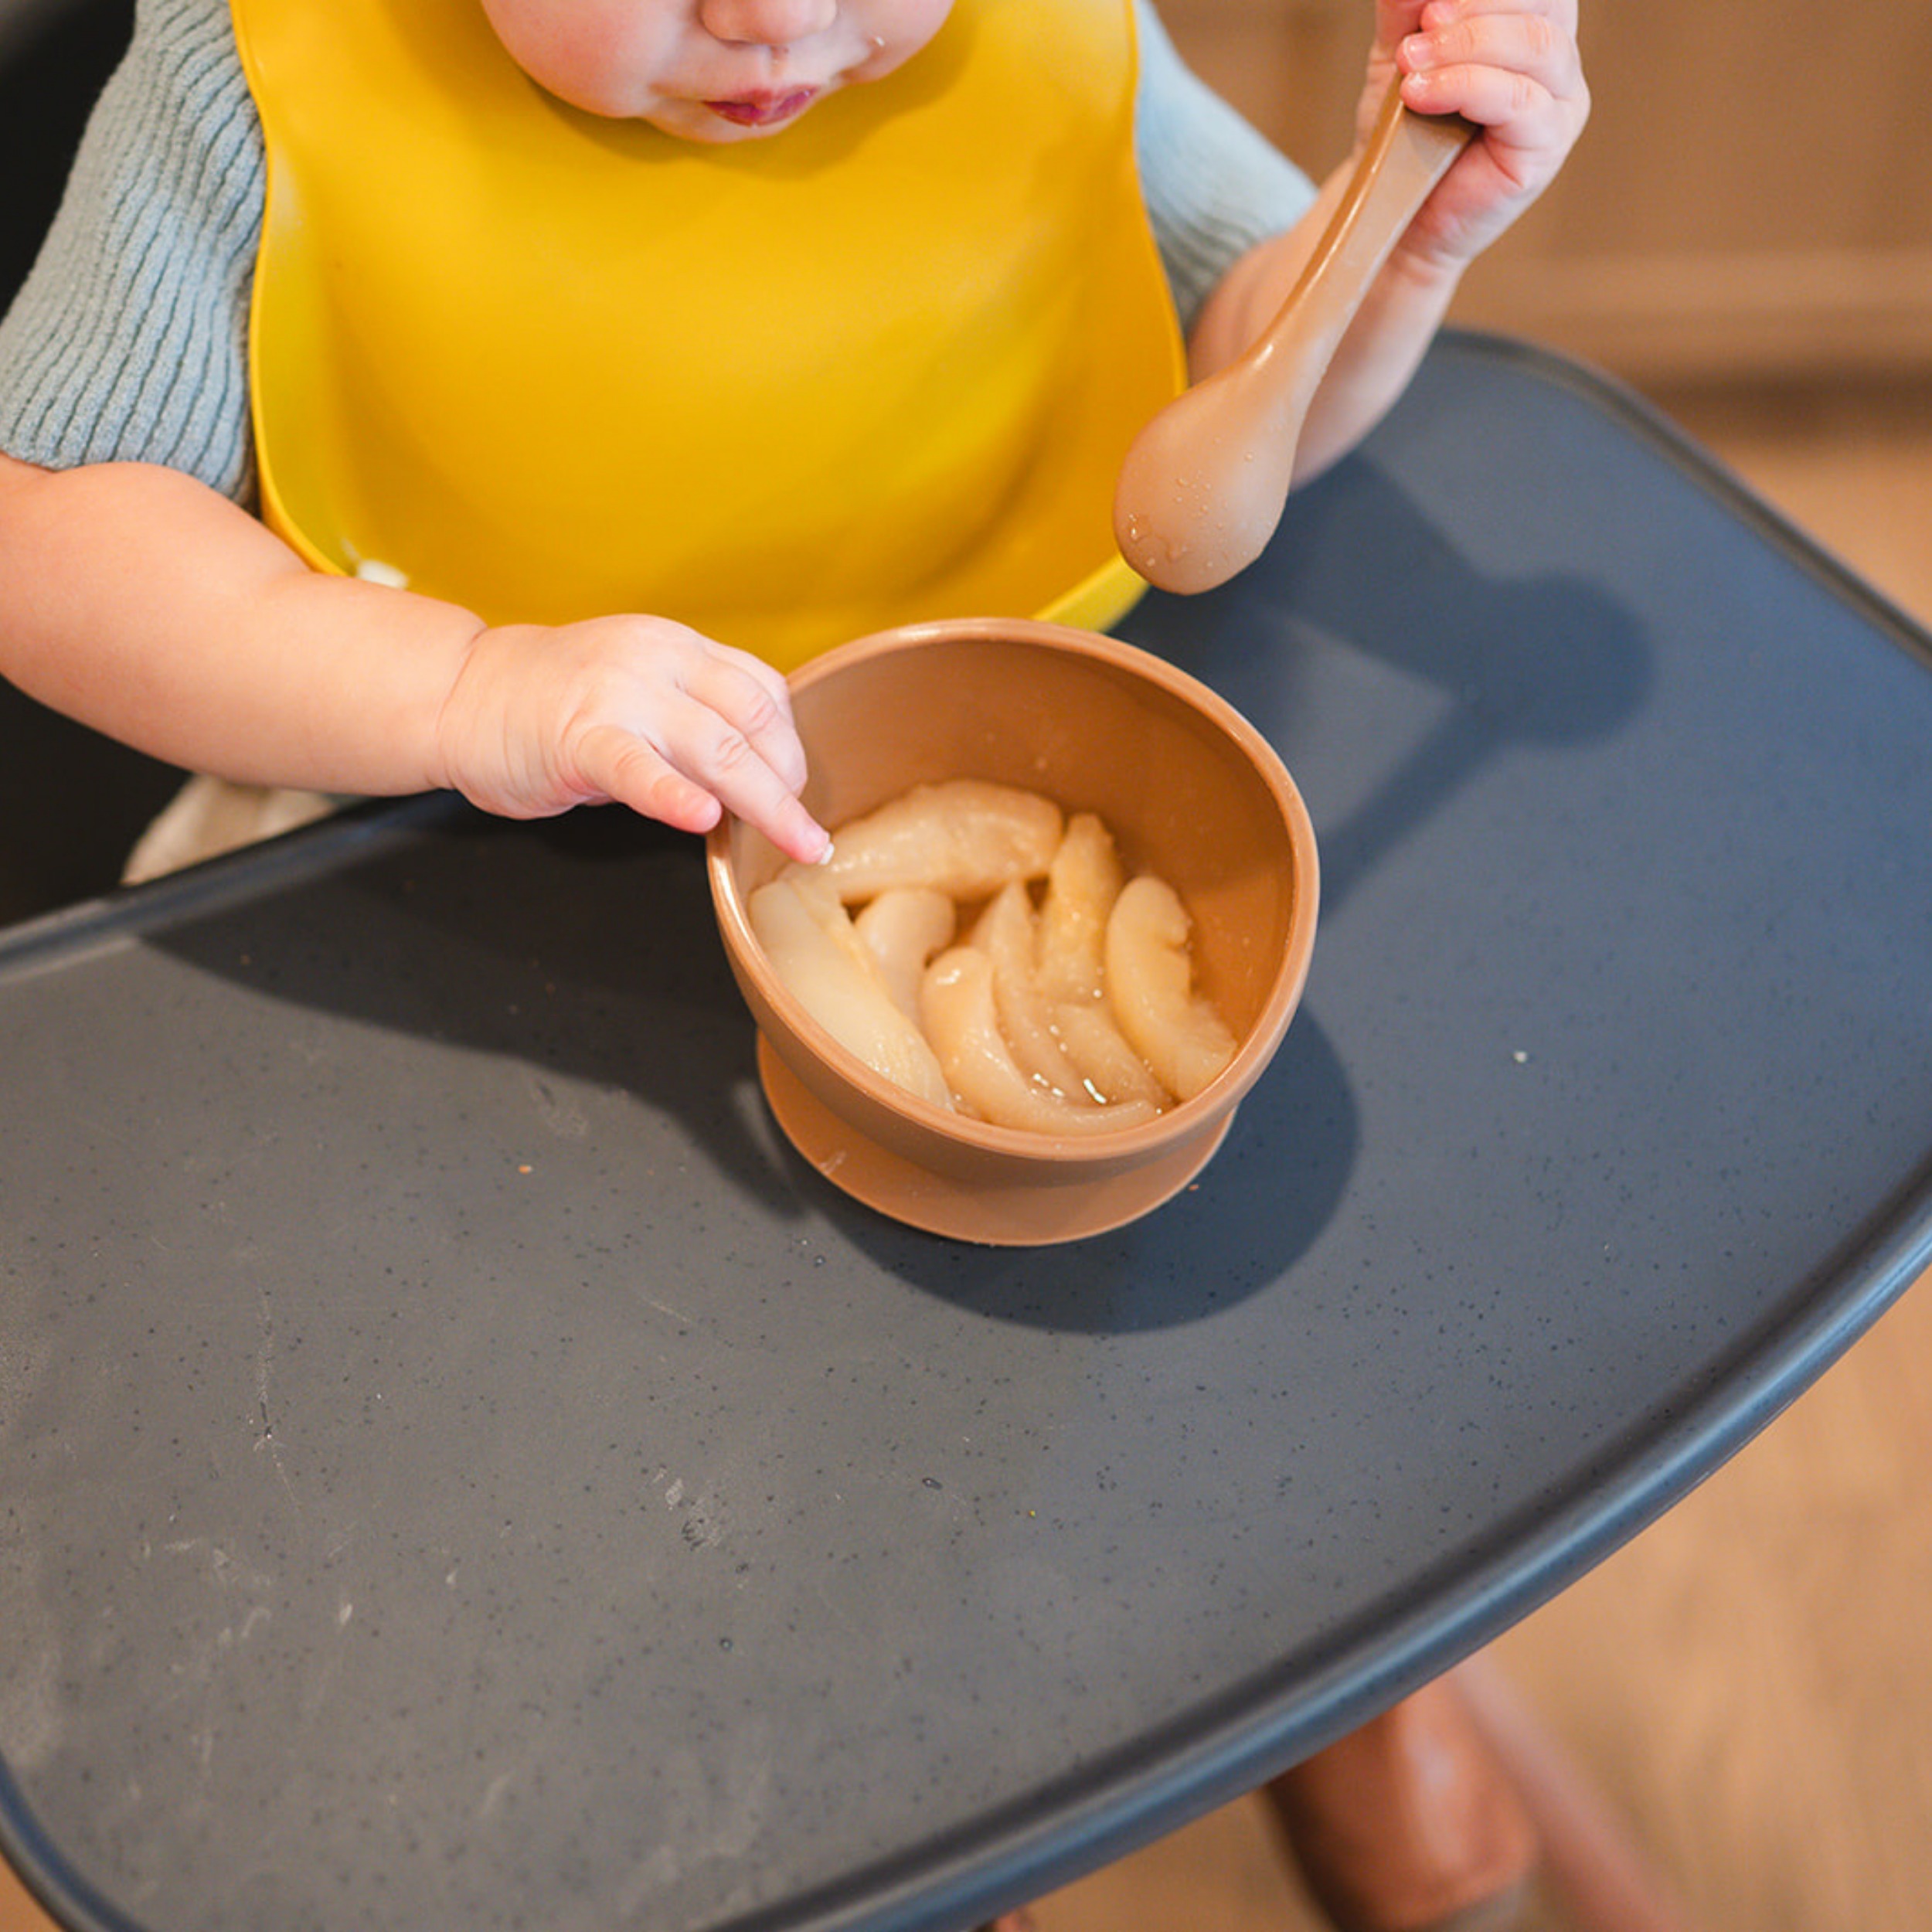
(1116, 1146)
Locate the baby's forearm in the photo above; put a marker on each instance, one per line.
(146, 605)
(141, 603)
(1374, 361)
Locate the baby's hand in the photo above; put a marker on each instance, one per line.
(1512, 67)
(635, 710)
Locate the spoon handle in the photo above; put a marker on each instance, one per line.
(1407, 155)
(1201, 486)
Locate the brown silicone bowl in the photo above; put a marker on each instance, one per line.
(1190, 791)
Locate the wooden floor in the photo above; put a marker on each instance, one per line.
(1749, 1683)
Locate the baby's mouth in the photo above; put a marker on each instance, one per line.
(764, 109)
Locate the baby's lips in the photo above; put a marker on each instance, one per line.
(764, 109)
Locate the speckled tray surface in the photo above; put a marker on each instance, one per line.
(459, 1468)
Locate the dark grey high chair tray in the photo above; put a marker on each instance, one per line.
(459, 1468)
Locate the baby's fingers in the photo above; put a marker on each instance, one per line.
(1512, 67)
(723, 742)
(756, 701)
(1550, 24)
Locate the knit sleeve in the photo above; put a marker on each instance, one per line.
(128, 338)
(1213, 184)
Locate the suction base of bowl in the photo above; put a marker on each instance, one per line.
(1027, 1214)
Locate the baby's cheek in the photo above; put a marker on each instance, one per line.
(598, 55)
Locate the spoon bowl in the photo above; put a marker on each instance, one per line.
(1202, 486)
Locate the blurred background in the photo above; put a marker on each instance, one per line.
(1744, 237)
(1750, 200)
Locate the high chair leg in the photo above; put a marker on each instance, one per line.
(1409, 1824)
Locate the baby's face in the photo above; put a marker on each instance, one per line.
(719, 71)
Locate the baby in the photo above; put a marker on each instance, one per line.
(631, 349)
(492, 395)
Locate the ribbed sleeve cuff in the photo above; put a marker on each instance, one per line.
(1214, 185)
(128, 339)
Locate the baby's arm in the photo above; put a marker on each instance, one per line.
(147, 605)
(1510, 66)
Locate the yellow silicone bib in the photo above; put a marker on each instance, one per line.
(880, 367)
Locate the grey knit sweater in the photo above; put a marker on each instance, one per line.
(128, 340)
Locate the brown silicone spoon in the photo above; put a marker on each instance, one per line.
(1202, 486)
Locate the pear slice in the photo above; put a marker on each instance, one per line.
(1150, 985)
(1003, 932)
(1082, 884)
(962, 1022)
(903, 929)
(1109, 1069)
(813, 947)
(965, 837)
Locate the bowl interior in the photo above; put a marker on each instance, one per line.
(1189, 791)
